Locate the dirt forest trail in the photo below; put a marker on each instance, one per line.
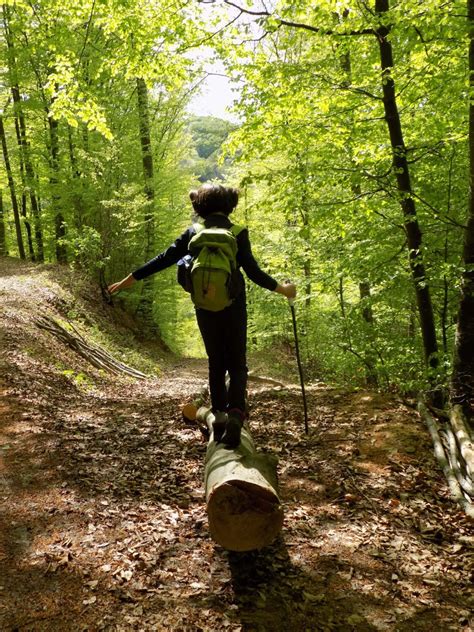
(102, 512)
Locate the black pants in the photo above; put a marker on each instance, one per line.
(225, 338)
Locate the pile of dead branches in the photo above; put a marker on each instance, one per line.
(93, 354)
(454, 449)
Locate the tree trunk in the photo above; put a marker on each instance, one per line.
(76, 174)
(31, 185)
(25, 158)
(369, 354)
(3, 237)
(371, 377)
(11, 186)
(242, 500)
(306, 231)
(24, 211)
(59, 226)
(147, 163)
(145, 307)
(462, 387)
(407, 203)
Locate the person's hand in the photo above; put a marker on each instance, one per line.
(287, 289)
(121, 285)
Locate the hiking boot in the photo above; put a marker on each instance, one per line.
(235, 421)
(219, 425)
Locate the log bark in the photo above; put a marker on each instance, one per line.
(242, 501)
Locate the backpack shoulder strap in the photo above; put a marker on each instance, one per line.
(235, 229)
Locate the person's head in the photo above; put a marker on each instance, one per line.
(214, 198)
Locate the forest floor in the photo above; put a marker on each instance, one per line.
(102, 512)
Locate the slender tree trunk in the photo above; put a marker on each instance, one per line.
(11, 186)
(24, 210)
(28, 178)
(462, 392)
(445, 304)
(342, 305)
(145, 307)
(306, 232)
(364, 286)
(31, 179)
(407, 203)
(147, 163)
(59, 226)
(3, 236)
(369, 352)
(76, 174)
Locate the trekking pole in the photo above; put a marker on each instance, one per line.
(291, 303)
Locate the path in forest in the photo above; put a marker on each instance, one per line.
(102, 522)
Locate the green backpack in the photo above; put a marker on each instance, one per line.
(214, 281)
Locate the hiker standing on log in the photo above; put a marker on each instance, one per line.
(210, 255)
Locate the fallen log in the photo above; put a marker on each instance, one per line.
(242, 502)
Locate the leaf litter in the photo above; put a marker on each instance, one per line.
(103, 524)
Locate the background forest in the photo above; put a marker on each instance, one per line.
(351, 155)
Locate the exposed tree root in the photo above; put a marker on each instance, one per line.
(95, 355)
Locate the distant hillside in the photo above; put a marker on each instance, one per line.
(209, 134)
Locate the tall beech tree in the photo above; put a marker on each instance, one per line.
(11, 186)
(147, 162)
(145, 306)
(29, 179)
(463, 367)
(407, 202)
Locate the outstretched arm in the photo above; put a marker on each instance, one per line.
(167, 258)
(125, 283)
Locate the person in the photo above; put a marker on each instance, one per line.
(224, 332)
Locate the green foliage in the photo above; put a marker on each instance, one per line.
(81, 380)
(315, 162)
(313, 159)
(208, 135)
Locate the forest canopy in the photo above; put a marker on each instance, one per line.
(353, 156)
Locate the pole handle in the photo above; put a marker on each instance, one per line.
(291, 301)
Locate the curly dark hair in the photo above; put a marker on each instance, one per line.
(214, 198)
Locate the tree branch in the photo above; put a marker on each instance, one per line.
(437, 213)
(298, 25)
(86, 37)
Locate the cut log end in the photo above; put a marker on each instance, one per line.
(243, 517)
(190, 411)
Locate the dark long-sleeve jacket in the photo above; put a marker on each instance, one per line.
(179, 249)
